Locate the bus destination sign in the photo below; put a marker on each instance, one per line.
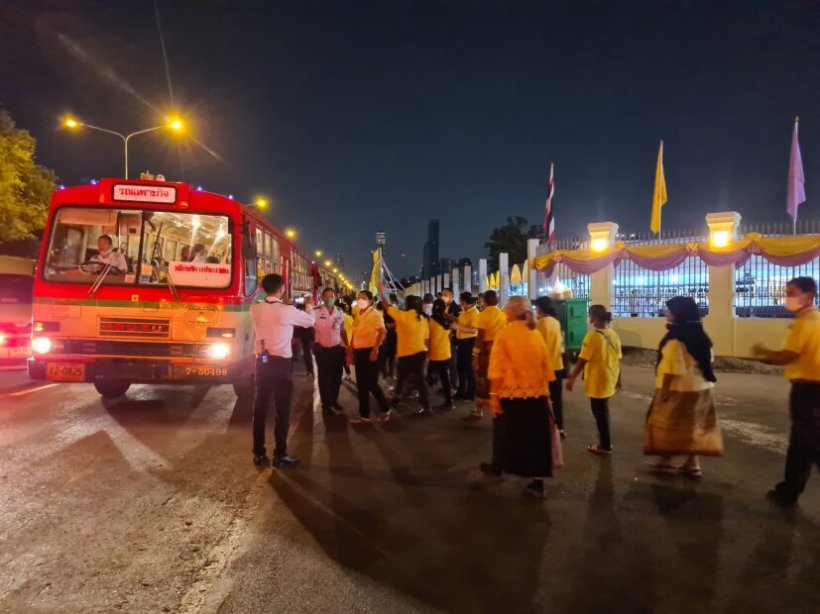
(144, 193)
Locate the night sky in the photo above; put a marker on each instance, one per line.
(356, 115)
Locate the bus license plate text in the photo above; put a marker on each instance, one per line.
(201, 371)
(65, 372)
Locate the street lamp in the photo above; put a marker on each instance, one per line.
(174, 124)
(261, 203)
(318, 253)
(328, 263)
(290, 233)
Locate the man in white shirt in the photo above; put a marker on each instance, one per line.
(107, 255)
(330, 355)
(273, 323)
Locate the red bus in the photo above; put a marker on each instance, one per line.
(152, 282)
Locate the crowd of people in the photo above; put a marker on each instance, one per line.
(511, 363)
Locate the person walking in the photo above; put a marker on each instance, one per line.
(330, 335)
(490, 320)
(273, 324)
(387, 352)
(345, 307)
(368, 335)
(600, 361)
(519, 372)
(439, 353)
(466, 333)
(452, 311)
(801, 356)
(549, 327)
(682, 418)
(412, 332)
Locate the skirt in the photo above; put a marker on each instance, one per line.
(482, 382)
(528, 449)
(683, 423)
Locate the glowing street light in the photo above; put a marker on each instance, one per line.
(174, 124)
(290, 233)
(318, 253)
(328, 263)
(261, 203)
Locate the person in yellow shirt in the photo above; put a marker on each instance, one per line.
(519, 371)
(801, 356)
(466, 332)
(550, 328)
(348, 326)
(439, 351)
(368, 335)
(490, 320)
(600, 360)
(412, 332)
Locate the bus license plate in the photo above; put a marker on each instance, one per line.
(65, 372)
(183, 371)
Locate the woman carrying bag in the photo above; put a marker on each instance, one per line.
(682, 418)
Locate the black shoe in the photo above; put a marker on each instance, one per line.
(260, 460)
(446, 406)
(781, 499)
(490, 469)
(536, 489)
(285, 461)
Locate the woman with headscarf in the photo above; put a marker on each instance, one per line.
(520, 371)
(682, 418)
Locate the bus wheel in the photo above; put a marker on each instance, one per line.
(111, 390)
(244, 387)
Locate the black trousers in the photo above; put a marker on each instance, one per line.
(411, 369)
(367, 382)
(387, 355)
(600, 409)
(305, 338)
(441, 369)
(804, 440)
(464, 361)
(453, 363)
(272, 380)
(330, 363)
(557, 398)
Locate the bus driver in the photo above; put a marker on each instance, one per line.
(108, 255)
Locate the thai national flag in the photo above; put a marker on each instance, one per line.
(549, 218)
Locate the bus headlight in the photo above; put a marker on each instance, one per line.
(219, 351)
(41, 345)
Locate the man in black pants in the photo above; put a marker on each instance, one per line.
(273, 324)
(330, 355)
(801, 357)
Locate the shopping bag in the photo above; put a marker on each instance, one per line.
(556, 446)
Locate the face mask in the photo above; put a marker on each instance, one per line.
(794, 303)
(105, 253)
(362, 304)
(428, 309)
(329, 302)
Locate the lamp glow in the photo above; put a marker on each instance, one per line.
(41, 345)
(175, 124)
(261, 203)
(71, 122)
(720, 238)
(318, 253)
(290, 233)
(219, 351)
(599, 244)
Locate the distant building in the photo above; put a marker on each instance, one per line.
(430, 257)
(381, 238)
(465, 262)
(446, 265)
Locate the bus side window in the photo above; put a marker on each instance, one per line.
(249, 256)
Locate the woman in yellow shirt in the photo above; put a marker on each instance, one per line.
(466, 332)
(368, 335)
(412, 332)
(348, 326)
(491, 319)
(519, 371)
(550, 328)
(439, 351)
(600, 360)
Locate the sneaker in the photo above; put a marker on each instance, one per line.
(285, 462)
(596, 449)
(490, 469)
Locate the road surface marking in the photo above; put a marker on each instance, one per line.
(20, 393)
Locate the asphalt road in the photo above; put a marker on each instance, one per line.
(151, 504)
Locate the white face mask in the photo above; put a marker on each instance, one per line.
(428, 309)
(362, 304)
(105, 253)
(794, 303)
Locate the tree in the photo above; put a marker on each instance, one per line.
(25, 187)
(512, 239)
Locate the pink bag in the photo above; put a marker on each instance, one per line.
(555, 440)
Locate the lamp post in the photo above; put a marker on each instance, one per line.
(174, 124)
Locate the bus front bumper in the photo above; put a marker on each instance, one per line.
(133, 371)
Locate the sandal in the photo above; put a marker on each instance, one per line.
(690, 472)
(360, 420)
(664, 468)
(596, 449)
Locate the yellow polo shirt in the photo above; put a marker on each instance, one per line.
(804, 340)
(520, 365)
(550, 329)
(491, 320)
(412, 331)
(439, 344)
(366, 328)
(602, 351)
(468, 319)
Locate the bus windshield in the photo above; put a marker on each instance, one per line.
(139, 247)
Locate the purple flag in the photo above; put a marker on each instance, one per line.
(796, 191)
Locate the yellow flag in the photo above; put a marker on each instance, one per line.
(376, 275)
(659, 195)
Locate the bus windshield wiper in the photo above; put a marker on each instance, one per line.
(171, 285)
(100, 278)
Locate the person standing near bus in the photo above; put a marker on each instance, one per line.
(330, 354)
(273, 324)
(801, 357)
